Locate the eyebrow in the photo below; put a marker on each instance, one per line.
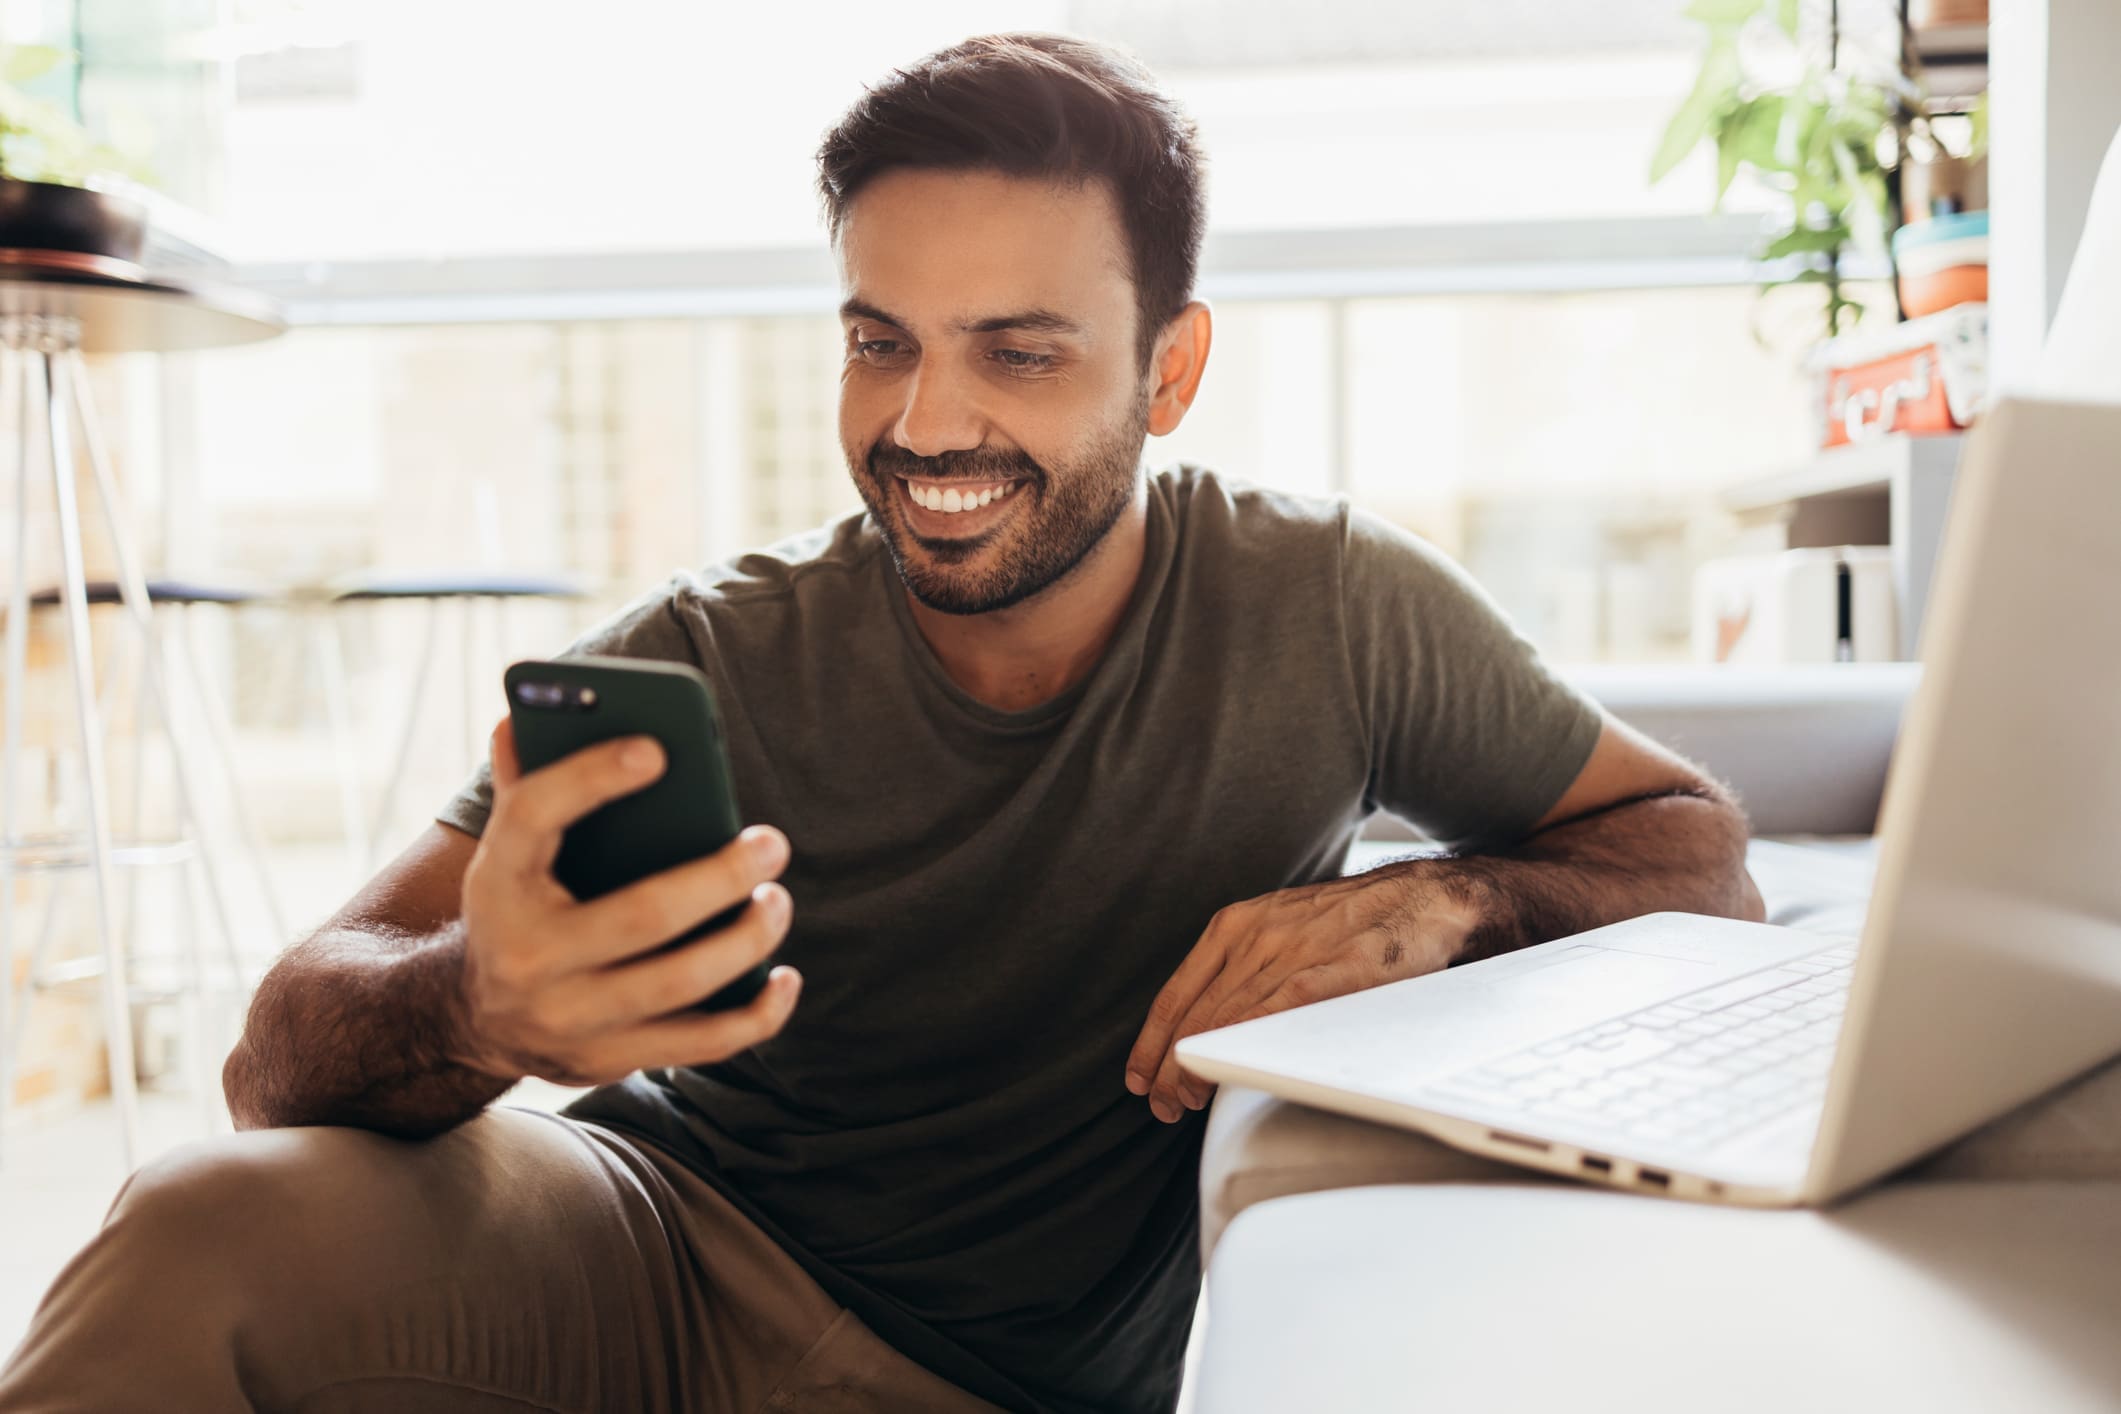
(1042, 321)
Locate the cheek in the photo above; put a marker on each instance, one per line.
(865, 415)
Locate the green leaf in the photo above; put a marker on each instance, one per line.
(1786, 16)
(1865, 220)
(1757, 129)
(1805, 238)
(1732, 13)
(19, 63)
(1715, 86)
(1726, 169)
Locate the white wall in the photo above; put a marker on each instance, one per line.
(2056, 85)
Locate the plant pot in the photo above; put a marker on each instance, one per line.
(1942, 262)
(1927, 14)
(47, 216)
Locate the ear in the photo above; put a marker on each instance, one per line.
(1181, 358)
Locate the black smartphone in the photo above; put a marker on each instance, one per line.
(559, 707)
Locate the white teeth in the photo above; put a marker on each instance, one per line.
(953, 501)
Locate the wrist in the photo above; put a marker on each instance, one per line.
(458, 1041)
(1441, 914)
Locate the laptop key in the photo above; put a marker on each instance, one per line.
(1732, 993)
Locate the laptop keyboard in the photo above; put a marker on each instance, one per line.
(1692, 1071)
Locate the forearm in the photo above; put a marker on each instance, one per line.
(352, 1029)
(1681, 852)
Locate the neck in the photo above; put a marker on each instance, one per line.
(1013, 659)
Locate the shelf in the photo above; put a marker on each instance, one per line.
(1951, 44)
(1907, 482)
(1860, 469)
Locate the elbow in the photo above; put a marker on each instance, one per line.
(1752, 908)
(1740, 895)
(240, 1087)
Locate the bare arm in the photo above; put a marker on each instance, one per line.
(363, 1022)
(465, 966)
(1639, 831)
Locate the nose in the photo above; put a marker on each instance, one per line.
(939, 415)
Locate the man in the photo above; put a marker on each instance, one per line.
(1058, 763)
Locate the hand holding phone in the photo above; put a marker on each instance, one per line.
(580, 979)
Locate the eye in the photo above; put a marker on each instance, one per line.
(1023, 361)
(878, 351)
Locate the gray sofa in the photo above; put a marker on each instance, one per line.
(1329, 1291)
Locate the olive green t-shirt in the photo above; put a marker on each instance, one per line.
(986, 901)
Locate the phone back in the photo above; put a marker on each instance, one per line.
(688, 811)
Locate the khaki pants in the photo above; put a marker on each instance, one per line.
(520, 1262)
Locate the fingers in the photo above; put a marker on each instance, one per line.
(530, 812)
(1171, 1005)
(1178, 1089)
(501, 748)
(652, 911)
(699, 1038)
(670, 981)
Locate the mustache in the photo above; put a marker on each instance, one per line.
(888, 459)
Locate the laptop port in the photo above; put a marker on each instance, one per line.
(1654, 1178)
(1536, 1145)
(1597, 1163)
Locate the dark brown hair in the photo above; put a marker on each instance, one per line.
(1041, 105)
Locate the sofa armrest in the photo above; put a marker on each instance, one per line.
(1805, 748)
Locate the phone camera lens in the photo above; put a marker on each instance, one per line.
(538, 694)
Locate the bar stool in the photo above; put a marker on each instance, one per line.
(54, 307)
(440, 590)
(174, 600)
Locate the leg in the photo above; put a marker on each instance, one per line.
(323, 632)
(408, 737)
(117, 1010)
(519, 1262)
(516, 1257)
(11, 750)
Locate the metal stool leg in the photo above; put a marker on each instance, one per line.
(11, 1015)
(133, 589)
(323, 633)
(408, 734)
(224, 748)
(117, 1009)
(199, 1049)
(21, 995)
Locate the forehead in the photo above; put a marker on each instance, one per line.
(937, 246)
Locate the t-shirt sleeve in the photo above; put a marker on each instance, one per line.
(652, 626)
(1472, 737)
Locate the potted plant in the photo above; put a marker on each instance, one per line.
(47, 162)
(1824, 137)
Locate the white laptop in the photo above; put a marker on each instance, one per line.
(1742, 1063)
(1745, 1063)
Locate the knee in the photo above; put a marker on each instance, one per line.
(224, 1199)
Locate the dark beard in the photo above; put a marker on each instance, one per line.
(1072, 509)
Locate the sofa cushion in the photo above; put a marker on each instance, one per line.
(1944, 1297)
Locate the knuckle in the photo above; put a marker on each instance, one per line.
(648, 914)
(1164, 1009)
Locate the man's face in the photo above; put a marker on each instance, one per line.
(990, 366)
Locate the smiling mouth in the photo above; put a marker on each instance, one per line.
(956, 498)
